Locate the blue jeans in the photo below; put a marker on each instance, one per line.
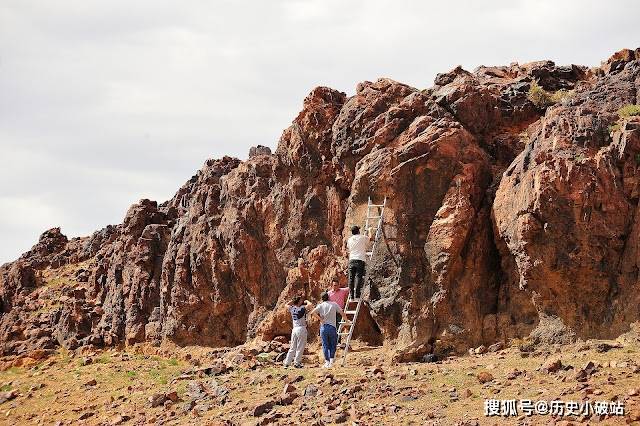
(329, 336)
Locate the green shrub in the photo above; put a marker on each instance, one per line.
(543, 99)
(562, 95)
(538, 96)
(629, 111)
(625, 112)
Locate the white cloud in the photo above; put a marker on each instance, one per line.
(103, 103)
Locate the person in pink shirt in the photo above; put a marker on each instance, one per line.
(338, 295)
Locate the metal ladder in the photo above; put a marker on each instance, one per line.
(377, 218)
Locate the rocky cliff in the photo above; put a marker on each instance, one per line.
(512, 194)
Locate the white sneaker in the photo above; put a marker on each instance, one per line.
(326, 364)
(331, 363)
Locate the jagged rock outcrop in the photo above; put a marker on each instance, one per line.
(504, 216)
(259, 150)
(565, 210)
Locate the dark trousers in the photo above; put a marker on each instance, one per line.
(356, 277)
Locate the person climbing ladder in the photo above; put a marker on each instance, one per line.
(358, 255)
(357, 247)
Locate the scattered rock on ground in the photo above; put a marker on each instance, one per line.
(495, 347)
(157, 399)
(262, 408)
(480, 350)
(8, 395)
(552, 365)
(484, 377)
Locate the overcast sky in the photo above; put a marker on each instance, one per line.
(106, 102)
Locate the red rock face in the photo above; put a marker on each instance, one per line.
(504, 218)
(565, 210)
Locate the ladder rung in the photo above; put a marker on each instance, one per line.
(376, 205)
(349, 312)
(344, 333)
(374, 217)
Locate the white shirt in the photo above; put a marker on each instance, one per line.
(327, 311)
(357, 246)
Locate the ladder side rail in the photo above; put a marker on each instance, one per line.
(378, 227)
(342, 323)
(347, 343)
(366, 221)
(375, 238)
(351, 329)
(380, 220)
